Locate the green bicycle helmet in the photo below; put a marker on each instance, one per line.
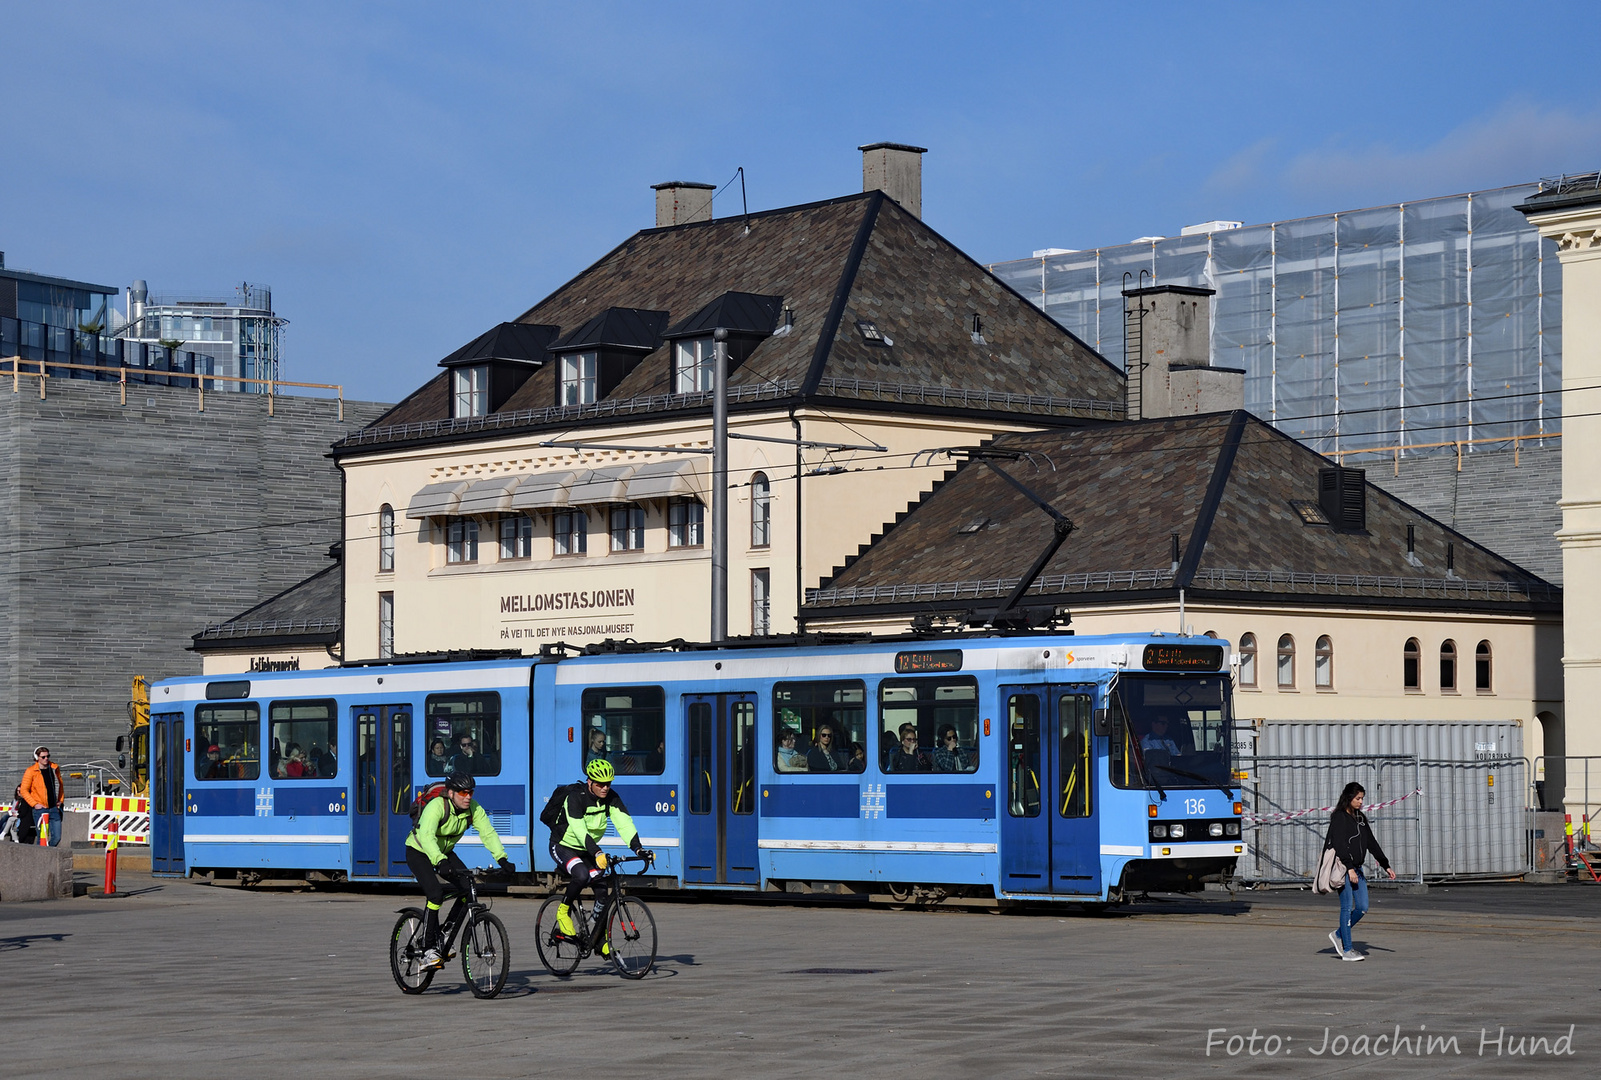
(600, 771)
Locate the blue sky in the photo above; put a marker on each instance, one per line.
(407, 175)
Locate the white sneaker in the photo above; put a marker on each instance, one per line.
(1334, 936)
(432, 959)
(1354, 955)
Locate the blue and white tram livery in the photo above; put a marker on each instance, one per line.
(1007, 767)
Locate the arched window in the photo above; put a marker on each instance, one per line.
(761, 511)
(1323, 663)
(1481, 668)
(1286, 661)
(1247, 659)
(386, 538)
(1448, 665)
(1411, 665)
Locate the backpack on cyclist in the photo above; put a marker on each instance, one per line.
(424, 797)
(554, 815)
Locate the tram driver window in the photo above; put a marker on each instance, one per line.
(626, 725)
(235, 731)
(301, 740)
(929, 725)
(1170, 732)
(829, 721)
(469, 724)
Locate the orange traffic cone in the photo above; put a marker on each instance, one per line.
(109, 889)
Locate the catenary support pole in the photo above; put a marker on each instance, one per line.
(720, 485)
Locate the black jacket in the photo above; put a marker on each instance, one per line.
(1352, 839)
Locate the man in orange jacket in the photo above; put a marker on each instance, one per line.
(43, 791)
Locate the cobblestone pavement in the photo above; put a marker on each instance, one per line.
(186, 979)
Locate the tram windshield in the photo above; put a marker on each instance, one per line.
(1171, 731)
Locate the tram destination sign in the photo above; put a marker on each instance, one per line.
(923, 661)
(1183, 657)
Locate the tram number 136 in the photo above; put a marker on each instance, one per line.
(1195, 806)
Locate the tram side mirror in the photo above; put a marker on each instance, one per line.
(1103, 721)
(122, 743)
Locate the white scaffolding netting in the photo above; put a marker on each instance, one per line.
(1410, 325)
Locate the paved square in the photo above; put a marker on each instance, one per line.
(186, 979)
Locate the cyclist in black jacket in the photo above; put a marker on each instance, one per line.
(1352, 840)
(575, 843)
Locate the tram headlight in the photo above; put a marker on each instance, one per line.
(1176, 831)
(1215, 829)
(1231, 828)
(1158, 832)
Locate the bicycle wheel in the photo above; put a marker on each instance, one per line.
(485, 955)
(632, 930)
(405, 953)
(560, 954)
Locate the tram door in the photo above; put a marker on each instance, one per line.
(166, 793)
(1050, 839)
(383, 790)
(720, 818)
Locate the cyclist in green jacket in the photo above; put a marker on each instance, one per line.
(430, 850)
(576, 847)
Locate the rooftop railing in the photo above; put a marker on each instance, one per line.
(43, 370)
(273, 626)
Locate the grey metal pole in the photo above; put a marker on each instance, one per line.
(720, 485)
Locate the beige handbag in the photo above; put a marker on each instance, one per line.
(1331, 873)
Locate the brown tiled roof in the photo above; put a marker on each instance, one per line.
(1225, 483)
(834, 263)
(310, 612)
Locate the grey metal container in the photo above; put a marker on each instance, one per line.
(1456, 793)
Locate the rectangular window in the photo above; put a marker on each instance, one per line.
(1074, 712)
(467, 728)
(627, 726)
(235, 730)
(570, 530)
(386, 539)
(742, 757)
(578, 378)
(469, 391)
(628, 528)
(918, 718)
(1023, 755)
(366, 757)
(301, 740)
(700, 725)
(461, 540)
(1170, 732)
(686, 523)
(516, 536)
(761, 607)
(829, 723)
(386, 625)
(692, 365)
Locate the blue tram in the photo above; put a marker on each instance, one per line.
(1004, 767)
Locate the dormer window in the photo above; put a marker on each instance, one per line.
(692, 365)
(469, 391)
(579, 372)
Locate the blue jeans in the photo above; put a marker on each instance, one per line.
(1353, 905)
(55, 816)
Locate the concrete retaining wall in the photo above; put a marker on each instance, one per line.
(29, 872)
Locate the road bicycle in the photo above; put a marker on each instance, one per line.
(623, 931)
(485, 949)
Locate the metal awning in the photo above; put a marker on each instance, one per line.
(437, 500)
(601, 486)
(669, 479)
(542, 491)
(491, 496)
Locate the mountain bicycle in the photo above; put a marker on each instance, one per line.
(485, 950)
(623, 931)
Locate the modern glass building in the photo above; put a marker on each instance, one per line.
(1402, 326)
(239, 332)
(53, 301)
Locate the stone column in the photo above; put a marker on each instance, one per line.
(1569, 212)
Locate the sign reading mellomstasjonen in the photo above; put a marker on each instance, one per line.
(582, 600)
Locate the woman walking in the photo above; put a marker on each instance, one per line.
(1352, 840)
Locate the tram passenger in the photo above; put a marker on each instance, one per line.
(907, 757)
(596, 750)
(575, 839)
(789, 758)
(215, 769)
(826, 756)
(949, 755)
(294, 765)
(858, 757)
(430, 850)
(466, 759)
(437, 758)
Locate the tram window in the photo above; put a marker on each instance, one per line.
(929, 725)
(1023, 755)
(470, 726)
(301, 738)
(366, 763)
(742, 751)
(700, 758)
(159, 787)
(1074, 713)
(836, 709)
(1170, 732)
(626, 725)
(235, 730)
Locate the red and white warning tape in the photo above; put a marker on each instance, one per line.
(1293, 814)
